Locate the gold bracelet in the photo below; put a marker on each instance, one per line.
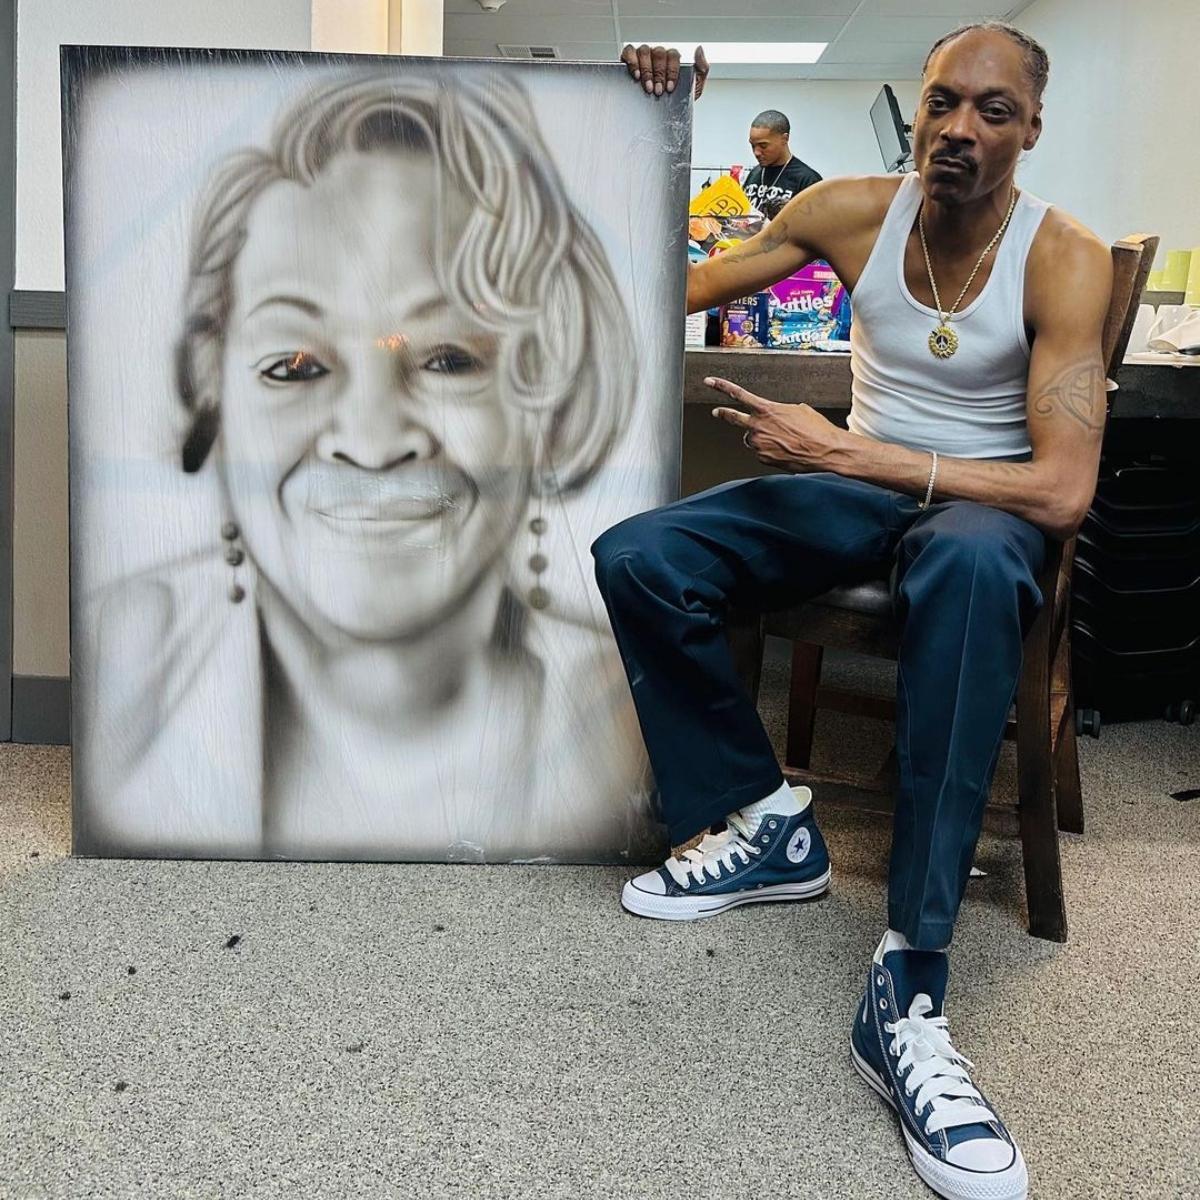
(932, 476)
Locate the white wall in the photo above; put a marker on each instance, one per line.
(1120, 149)
(831, 123)
(340, 26)
(415, 27)
(43, 24)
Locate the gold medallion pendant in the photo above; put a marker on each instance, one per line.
(943, 341)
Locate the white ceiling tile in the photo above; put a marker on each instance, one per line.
(588, 51)
(568, 51)
(882, 29)
(796, 9)
(901, 54)
(887, 71)
(552, 8)
(953, 10)
(526, 29)
(668, 30)
(470, 49)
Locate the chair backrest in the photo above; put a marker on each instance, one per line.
(1132, 256)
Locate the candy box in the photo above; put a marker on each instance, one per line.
(744, 322)
(810, 306)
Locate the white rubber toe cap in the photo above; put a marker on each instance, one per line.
(652, 882)
(981, 1154)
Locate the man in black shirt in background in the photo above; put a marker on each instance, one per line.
(779, 174)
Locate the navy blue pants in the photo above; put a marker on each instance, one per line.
(965, 594)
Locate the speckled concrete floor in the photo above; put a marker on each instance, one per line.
(404, 1031)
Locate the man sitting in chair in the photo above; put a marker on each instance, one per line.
(978, 409)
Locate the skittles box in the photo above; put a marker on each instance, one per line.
(808, 307)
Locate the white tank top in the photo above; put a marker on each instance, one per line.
(971, 405)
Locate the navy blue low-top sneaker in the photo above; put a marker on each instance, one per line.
(775, 856)
(901, 1046)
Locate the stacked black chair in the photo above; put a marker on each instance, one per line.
(1135, 604)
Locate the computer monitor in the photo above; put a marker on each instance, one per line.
(890, 130)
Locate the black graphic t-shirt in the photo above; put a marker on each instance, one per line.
(770, 188)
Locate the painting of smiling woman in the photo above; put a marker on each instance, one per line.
(403, 382)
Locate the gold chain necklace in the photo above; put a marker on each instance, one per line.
(943, 341)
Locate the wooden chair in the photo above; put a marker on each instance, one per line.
(859, 618)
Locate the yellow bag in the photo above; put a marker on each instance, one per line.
(722, 198)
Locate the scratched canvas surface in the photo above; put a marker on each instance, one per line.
(363, 354)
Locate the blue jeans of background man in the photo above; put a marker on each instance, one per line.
(965, 595)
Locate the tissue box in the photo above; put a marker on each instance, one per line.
(810, 306)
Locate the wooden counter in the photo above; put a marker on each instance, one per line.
(823, 380)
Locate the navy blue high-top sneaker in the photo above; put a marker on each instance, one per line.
(767, 856)
(901, 1046)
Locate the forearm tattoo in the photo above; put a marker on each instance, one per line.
(771, 238)
(778, 232)
(1077, 392)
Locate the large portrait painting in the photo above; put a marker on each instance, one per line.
(363, 354)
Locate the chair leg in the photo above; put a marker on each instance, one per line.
(746, 643)
(1068, 793)
(1068, 796)
(802, 702)
(1035, 783)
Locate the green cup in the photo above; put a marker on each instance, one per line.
(1175, 273)
(1191, 294)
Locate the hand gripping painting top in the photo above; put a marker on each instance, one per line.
(363, 354)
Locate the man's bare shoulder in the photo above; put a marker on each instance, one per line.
(848, 197)
(1066, 255)
(835, 209)
(1069, 270)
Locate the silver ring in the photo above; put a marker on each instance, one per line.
(746, 440)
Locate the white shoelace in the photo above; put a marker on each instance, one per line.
(717, 850)
(932, 1068)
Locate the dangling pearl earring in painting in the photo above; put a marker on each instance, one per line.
(234, 556)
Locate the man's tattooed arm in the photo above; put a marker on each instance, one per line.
(1068, 286)
(780, 231)
(1076, 392)
(771, 238)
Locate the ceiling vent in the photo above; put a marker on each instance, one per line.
(529, 51)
